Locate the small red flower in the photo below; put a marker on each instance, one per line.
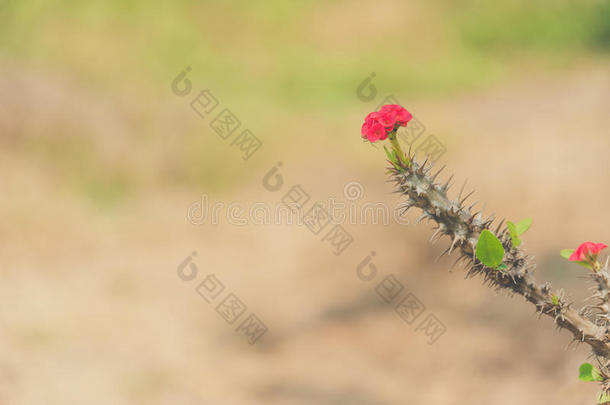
(586, 249)
(372, 117)
(374, 131)
(392, 114)
(377, 125)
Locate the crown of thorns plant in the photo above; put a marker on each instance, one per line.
(491, 249)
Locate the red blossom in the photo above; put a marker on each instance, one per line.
(586, 249)
(392, 114)
(374, 131)
(377, 125)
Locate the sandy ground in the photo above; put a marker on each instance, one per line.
(94, 310)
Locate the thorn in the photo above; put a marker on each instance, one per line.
(425, 162)
(465, 198)
(462, 190)
(405, 210)
(457, 261)
(424, 216)
(500, 226)
(446, 185)
(405, 207)
(489, 220)
(455, 239)
(437, 173)
(439, 230)
(442, 254)
(422, 169)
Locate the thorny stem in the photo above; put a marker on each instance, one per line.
(455, 219)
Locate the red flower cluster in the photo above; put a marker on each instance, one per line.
(586, 249)
(377, 125)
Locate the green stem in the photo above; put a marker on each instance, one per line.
(402, 158)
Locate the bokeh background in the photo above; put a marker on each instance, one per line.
(100, 162)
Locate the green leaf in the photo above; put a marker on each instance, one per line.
(566, 253)
(389, 155)
(555, 299)
(523, 225)
(502, 267)
(392, 157)
(489, 249)
(514, 235)
(518, 229)
(587, 372)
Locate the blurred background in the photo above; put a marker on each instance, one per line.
(102, 162)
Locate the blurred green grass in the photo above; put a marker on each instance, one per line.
(270, 49)
(270, 58)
